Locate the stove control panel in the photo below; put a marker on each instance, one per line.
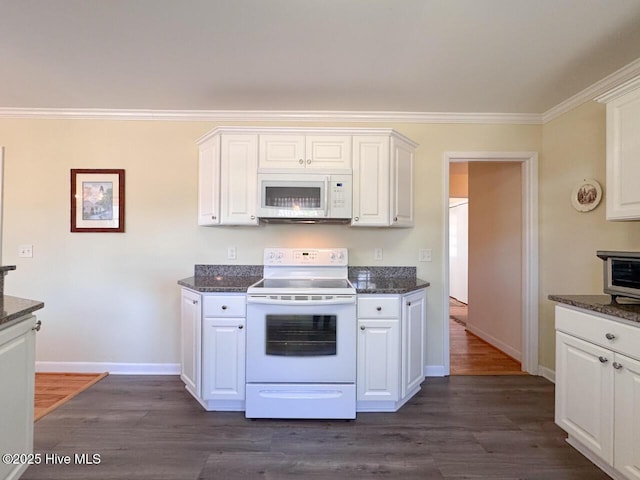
(306, 256)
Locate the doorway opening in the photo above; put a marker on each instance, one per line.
(491, 316)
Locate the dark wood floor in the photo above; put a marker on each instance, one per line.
(143, 427)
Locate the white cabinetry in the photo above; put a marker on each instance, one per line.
(598, 389)
(228, 184)
(17, 376)
(382, 181)
(390, 350)
(623, 151)
(213, 348)
(326, 152)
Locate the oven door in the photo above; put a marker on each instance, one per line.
(301, 341)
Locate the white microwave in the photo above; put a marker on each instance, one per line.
(304, 197)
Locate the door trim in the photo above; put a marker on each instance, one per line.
(530, 254)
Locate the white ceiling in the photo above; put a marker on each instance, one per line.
(507, 56)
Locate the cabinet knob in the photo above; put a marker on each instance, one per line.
(37, 326)
(240, 327)
(213, 217)
(253, 217)
(617, 365)
(195, 302)
(379, 309)
(224, 307)
(408, 304)
(357, 218)
(308, 161)
(610, 336)
(362, 327)
(603, 359)
(395, 219)
(301, 162)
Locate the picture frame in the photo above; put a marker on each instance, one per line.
(97, 200)
(586, 195)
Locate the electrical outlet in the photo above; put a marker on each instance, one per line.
(377, 254)
(231, 253)
(25, 251)
(424, 255)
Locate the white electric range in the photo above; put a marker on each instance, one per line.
(301, 336)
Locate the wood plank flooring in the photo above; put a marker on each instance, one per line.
(54, 389)
(470, 355)
(464, 427)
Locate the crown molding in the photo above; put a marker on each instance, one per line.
(598, 91)
(273, 115)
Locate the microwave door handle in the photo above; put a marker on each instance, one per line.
(326, 196)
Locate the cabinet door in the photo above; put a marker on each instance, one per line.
(623, 151)
(209, 183)
(414, 314)
(17, 372)
(402, 186)
(584, 393)
(627, 420)
(378, 360)
(282, 151)
(190, 340)
(239, 179)
(371, 182)
(328, 152)
(223, 360)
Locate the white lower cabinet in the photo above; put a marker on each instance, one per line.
(390, 350)
(598, 389)
(17, 377)
(213, 348)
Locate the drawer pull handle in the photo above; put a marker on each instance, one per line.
(617, 365)
(224, 307)
(37, 326)
(610, 336)
(603, 359)
(379, 309)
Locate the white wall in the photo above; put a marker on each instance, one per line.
(114, 297)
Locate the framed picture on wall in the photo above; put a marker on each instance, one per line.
(586, 195)
(97, 200)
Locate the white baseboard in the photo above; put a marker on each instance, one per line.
(111, 368)
(547, 373)
(491, 340)
(434, 371)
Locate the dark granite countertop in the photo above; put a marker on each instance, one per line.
(237, 278)
(14, 307)
(627, 309)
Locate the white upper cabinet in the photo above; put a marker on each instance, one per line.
(623, 151)
(383, 181)
(228, 182)
(326, 152)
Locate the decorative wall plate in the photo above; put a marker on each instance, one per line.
(586, 195)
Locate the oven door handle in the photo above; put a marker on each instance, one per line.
(311, 303)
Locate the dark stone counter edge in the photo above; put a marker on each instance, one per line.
(15, 307)
(600, 304)
(240, 284)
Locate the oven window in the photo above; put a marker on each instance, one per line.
(625, 273)
(301, 335)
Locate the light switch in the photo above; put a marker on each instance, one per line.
(231, 253)
(377, 254)
(424, 255)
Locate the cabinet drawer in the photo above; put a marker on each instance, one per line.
(224, 306)
(378, 307)
(610, 334)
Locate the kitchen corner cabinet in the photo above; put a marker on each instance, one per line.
(598, 389)
(383, 180)
(292, 151)
(17, 378)
(213, 349)
(390, 350)
(227, 180)
(623, 151)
